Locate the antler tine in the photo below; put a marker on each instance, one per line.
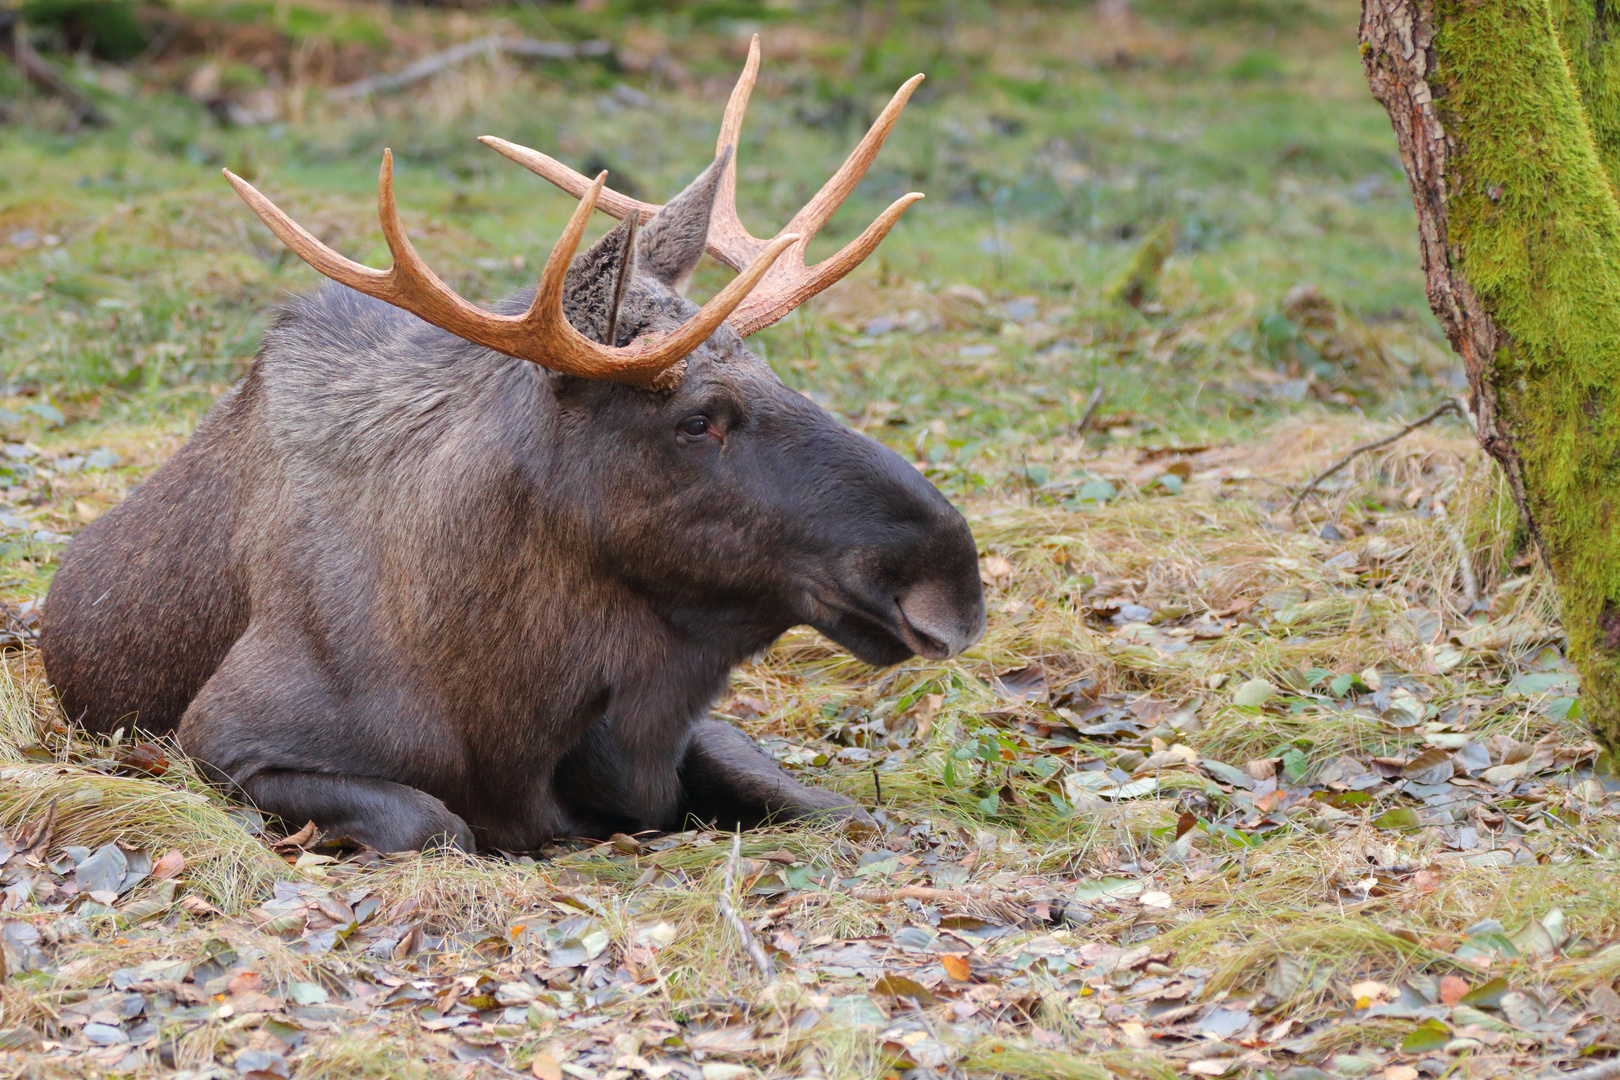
(791, 283)
(408, 283)
(410, 278)
(760, 311)
(816, 213)
(576, 184)
(305, 246)
(547, 304)
(729, 240)
(657, 358)
(543, 334)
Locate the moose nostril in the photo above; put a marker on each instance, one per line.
(941, 620)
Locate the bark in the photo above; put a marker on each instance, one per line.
(1520, 235)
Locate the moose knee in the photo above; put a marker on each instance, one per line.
(726, 778)
(381, 813)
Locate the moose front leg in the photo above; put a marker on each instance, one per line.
(381, 813)
(727, 779)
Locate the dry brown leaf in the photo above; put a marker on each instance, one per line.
(545, 1067)
(1453, 989)
(298, 839)
(169, 865)
(1370, 992)
(956, 967)
(248, 982)
(196, 905)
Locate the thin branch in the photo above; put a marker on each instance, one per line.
(729, 913)
(1465, 561)
(429, 66)
(1603, 1070)
(1450, 405)
(1090, 413)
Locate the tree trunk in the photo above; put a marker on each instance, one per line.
(1520, 231)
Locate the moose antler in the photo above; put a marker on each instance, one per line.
(790, 282)
(542, 335)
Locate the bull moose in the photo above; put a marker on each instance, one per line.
(435, 575)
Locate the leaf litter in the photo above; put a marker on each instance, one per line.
(1269, 849)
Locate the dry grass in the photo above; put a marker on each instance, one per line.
(1276, 918)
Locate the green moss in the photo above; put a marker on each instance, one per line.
(1535, 219)
(1590, 32)
(1140, 279)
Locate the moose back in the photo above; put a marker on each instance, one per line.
(431, 574)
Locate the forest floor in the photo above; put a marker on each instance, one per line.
(1225, 791)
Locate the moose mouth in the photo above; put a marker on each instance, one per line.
(879, 633)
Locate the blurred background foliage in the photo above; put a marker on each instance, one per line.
(1227, 149)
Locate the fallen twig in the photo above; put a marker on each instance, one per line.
(729, 913)
(1090, 413)
(41, 74)
(889, 896)
(1450, 405)
(484, 46)
(1603, 1070)
(918, 892)
(1465, 562)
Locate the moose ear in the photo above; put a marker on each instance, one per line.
(673, 241)
(593, 291)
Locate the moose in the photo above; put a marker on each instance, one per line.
(431, 575)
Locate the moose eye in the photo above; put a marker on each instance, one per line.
(694, 426)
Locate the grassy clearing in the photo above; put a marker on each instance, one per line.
(1224, 791)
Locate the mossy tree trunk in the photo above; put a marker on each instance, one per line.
(1508, 117)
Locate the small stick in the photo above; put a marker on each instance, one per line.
(1603, 1070)
(1091, 411)
(877, 786)
(887, 896)
(729, 913)
(1465, 563)
(484, 46)
(1447, 406)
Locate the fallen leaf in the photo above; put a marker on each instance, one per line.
(1453, 989)
(307, 993)
(248, 982)
(298, 839)
(196, 905)
(1427, 1036)
(1370, 992)
(169, 865)
(545, 1067)
(957, 967)
(1253, 694)
(900, 986)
